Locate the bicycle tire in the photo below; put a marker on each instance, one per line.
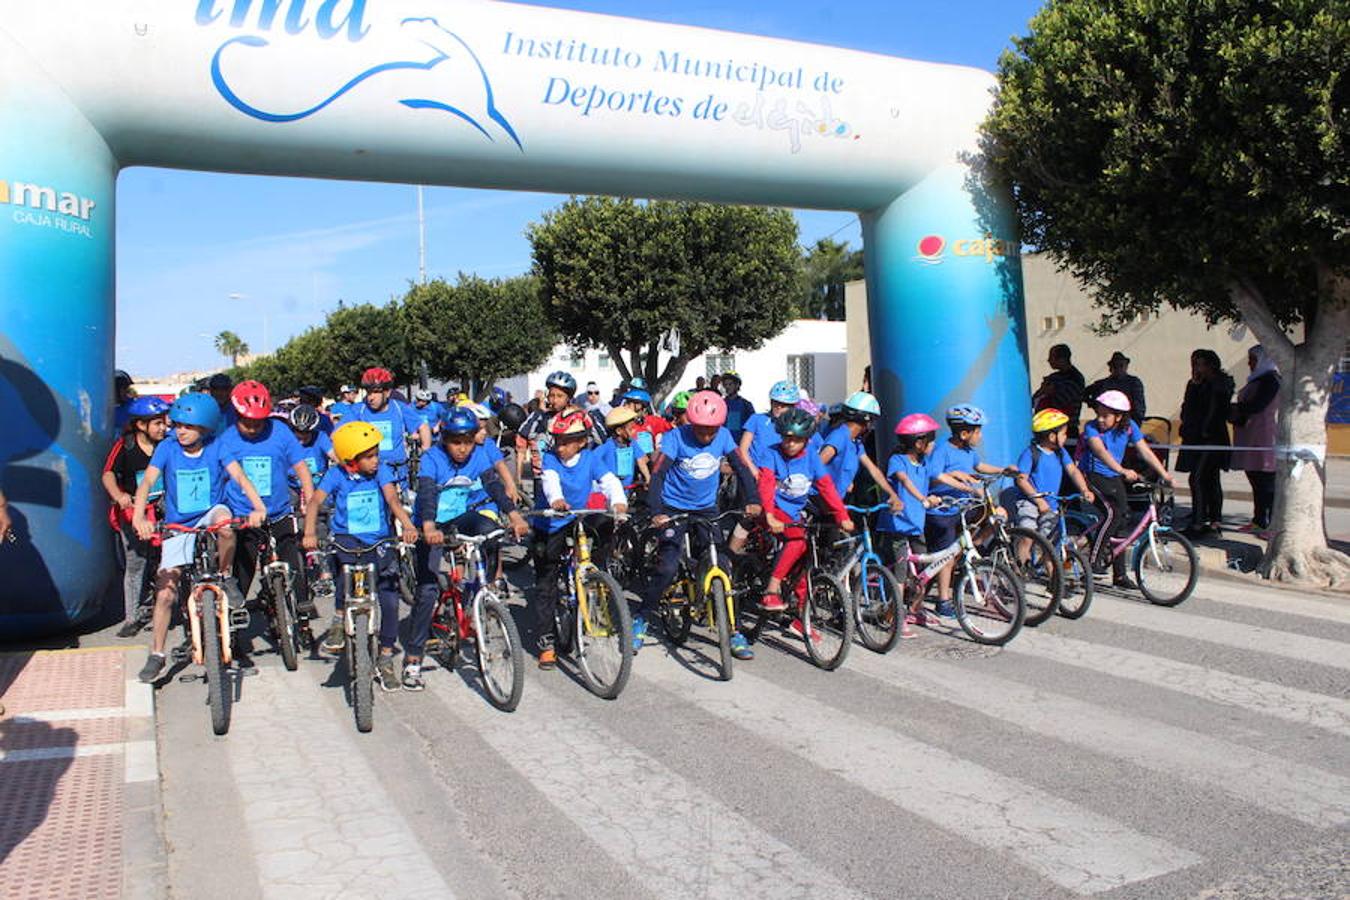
(1042, 577)
(829, 611)
(872, 618)
(625, 560)
(218, 695)
(997, 621)
(604, 640)
(678, 618)
(362, 673)
(717, 599)
(504, 688)
(1157, 589)
(445, 646)
(1079, 584)
(283, 621)
(407, 578)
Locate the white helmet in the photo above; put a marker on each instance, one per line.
(422, 394)
(1115, 400)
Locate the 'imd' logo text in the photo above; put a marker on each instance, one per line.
(47, 207)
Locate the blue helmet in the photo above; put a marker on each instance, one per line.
(638, 383)
(963, 414)
(147, 408)
(496, 399)
(459, 420)
(563, 380)
(639, 395)
(785, 392)
(196, 409)
(861, 405)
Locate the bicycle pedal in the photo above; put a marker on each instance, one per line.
(239, 618)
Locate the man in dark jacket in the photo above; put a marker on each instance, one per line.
(1120, 379)
(1063, 388)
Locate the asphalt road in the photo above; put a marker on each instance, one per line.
(1202, 751)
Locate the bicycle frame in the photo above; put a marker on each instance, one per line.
(1148, 524)
(715, 571)
(471, 556)
(202, 578)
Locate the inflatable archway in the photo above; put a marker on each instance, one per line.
(464, 93)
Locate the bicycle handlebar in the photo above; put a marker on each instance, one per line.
(569, 513)
(201, 529)
(455, 537)
(334, 546)
(868, 510)
(700, 517)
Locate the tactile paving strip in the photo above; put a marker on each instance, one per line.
(70, 680)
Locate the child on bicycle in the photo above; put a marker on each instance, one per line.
(535, 436)
(490, 448)
(901, 533)
(123, 472)
(621, 453)
(646, 428)
(569, 470)
(395, 420)
(842, 449)
(787, 476)
(364, 494)
(759, 436)
(1041, 469)
(951, 471)
(194, 470)
(1106, 439)
(316, 446)
(685, 478)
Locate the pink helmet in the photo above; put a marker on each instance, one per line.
(915, 424)
(1115, 400)
(707, 408)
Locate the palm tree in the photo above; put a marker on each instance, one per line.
(232, 345)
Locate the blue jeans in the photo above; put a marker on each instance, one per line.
(386, 583)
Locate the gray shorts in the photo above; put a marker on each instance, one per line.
(177, 550)
(1025, 515)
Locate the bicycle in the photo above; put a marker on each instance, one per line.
(990, 605)
(1164, 561)
(210, 622)
(361, 622)
(591, 619)
(878, 596)
(826, 612)
(486, 624)
(1079, 584)
(277, 594)
(1026, 552)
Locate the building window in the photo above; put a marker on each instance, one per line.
(717, 363)
(578, 359)
(802, 370)
(604, 360)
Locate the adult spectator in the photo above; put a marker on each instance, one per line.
(1253, 418)
(715, 383)
(700, 383)
(1063, 388)
(1118, 378)
(6, 524)
(739, 409)
(593, 402)
(1204, 423)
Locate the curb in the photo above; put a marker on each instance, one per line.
(1214, 564)
(145, 873)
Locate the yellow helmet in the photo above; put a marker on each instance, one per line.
(1048, 420)
(353, 439)
(620, 415)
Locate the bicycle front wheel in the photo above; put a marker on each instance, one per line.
(604, 636)
(501, 658)
(218, 693)
(283, 619)
(1042, 577)
(1078, 584)
(878, 607)
(828, 621)
(989, 603)
(362, 674)
(721, 616)
(1166, 568)
(677, 610)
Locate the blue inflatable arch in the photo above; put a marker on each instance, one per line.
(467, 93)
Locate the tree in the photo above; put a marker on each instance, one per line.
(1194, 154)
(640, 279)
(828, 266)
(232, 345)
(477, 329)
(359, 337)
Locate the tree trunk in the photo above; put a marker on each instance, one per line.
(1298, 549)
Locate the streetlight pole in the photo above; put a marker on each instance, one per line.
(266, 342)
(421, 239)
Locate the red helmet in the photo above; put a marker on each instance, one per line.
(251, 400)
(570, 421)
(706, 408)
(916, 424)
(377, 378)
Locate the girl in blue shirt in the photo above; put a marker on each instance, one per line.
(907, 473)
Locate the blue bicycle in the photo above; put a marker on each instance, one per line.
(1073, 559)
(878, 598)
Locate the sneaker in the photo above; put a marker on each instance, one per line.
(945, 609)
(772, 603)
(1124, 582)
(907, 631)
(306, 608)
(740, 647)
(386, 675)
(639, 632)
(154, 665)
(336, 639)
(131, 628)
(799, 630)
(412, 676)
(548, 658)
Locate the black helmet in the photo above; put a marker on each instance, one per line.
(219, 382)
(304, 417)
(512, 416)
(121, 378)
(311, 395)
(795, 422)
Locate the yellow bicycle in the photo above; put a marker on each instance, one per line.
(701, 592)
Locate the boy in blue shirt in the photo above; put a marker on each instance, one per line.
(568, 472)
(1041, 469)
(620, 453)
(194, 470)
(759, 434)
(364, 495)
(428, 410)
(316, 447)
(843, 452)
(457, 490)
(394, 419)
(344, 404)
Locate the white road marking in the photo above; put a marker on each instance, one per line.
(1277, 602)
(1071, 846)
(36, 754)
(71, 715)
(1290, 704)
(1301, 792)
(139, 699)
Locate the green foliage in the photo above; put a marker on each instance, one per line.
(476, 328)
(639, 278)
(353, 339)
(828, 266)
(1170, 151)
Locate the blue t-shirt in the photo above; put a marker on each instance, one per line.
(910, 519)
(395, 422)
(1048, 471)
(461, 483)
(947, 457)
(848, 451)
(265, 461)
(340, 410)
(358, 502)
(493, 452)
(1115, 440)
(622, 461)
(325, 423)
(766, 437)
(315, 457)
(192, 484)
(694, 471)
(796, 478)
(739, 411)
(576, 480)
(430, 414)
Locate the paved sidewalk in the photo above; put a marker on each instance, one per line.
(79, 777)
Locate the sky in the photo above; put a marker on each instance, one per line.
(267, 257)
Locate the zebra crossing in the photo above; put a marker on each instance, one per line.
(1139, 752)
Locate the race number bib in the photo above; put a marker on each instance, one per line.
(386, 429)
(193, 494)
(363, 512)
(313, 463)
(156, 489)
(643, 440)
(454, 499)
(259, 471)
(623, 462)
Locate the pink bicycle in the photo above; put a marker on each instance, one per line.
(1164, 561)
